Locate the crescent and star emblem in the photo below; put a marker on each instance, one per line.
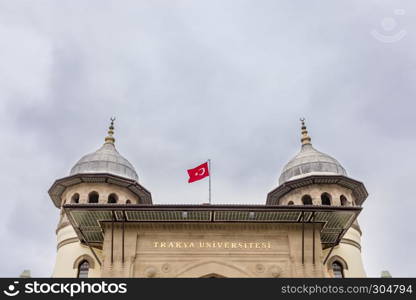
(200, 172)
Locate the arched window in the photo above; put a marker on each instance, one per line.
(307, 200)
(93, 197)
(75, 198)
(83, 269)
(337, 269)
(290, 203)
(128, 201)
(344, 201)
(112, 198)
(326, 199)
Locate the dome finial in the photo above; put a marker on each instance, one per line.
(109, 138)
(306, 139)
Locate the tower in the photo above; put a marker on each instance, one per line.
(109, 226)
(98, 179)
(313, 178)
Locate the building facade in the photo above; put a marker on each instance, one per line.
(109, 226)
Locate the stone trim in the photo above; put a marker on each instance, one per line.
(271, 227)
(62, 225)
(337, 258)
(351, 242)
(359, 191)
(86, 257)
(60, 185)
(66, 242)
(357, 227)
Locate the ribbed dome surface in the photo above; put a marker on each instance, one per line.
(105, 160)
(310, 161)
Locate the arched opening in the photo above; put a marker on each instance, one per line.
(93, 197)
(307, 200)
(290, 203)
(75, 198)
(326, 199)
(211, 269)
(83, 269)
(343, 200)
(112, 198)
(213, 275)
(128, 201)
(337, 270)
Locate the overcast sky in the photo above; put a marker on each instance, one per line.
(192, 80)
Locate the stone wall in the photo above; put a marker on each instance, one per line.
(315, 191)
(220, 250)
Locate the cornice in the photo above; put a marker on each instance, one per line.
(359, 191)
(60, 185)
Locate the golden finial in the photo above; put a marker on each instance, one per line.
(306, 139)
(109, 138)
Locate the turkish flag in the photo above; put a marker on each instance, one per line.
(198, 173)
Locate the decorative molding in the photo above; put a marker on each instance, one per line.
(275, 271)
(166, 268)
(60, 185)
(359, 191)
(357, 227)
(86, 257)
(259, 268)
(62, 225)
(205, 226)
(66, 242)
(150, 272)
(200, 266)
(351, 242)
(134, 257)
(337, 258)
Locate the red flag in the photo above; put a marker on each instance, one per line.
(198, 173)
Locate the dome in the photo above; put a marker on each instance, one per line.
(106, 160)
(310, 161)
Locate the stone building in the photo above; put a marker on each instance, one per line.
(109, 226)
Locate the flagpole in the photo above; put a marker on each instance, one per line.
(209, 187)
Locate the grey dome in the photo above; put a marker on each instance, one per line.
(105, 160)
(310, 161)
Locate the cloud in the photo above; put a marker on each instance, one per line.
(189, 81)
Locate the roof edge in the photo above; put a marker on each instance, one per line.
(358, 188)
(60, 185)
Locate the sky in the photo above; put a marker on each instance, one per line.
(220, 79)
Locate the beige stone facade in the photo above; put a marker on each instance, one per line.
(172, 249)
(129, 236)
(315, 191)
(103, 190)
(203, 250)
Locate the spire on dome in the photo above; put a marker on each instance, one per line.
(306, 139)
(310, 161)
(109, 139)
